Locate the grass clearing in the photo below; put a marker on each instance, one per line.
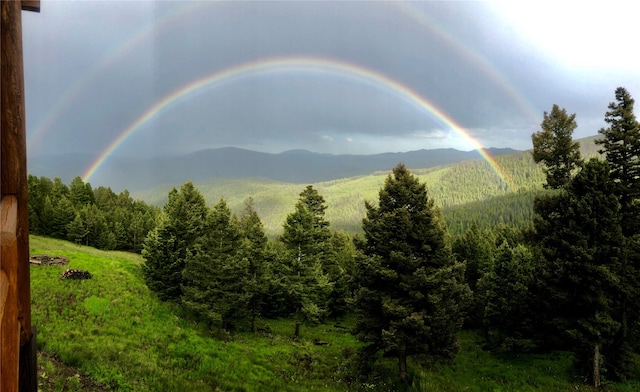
(111, 333)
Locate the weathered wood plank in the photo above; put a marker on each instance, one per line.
(13, 119)
(9, 215)
(9, 324)
(30, 5)
(4, 292)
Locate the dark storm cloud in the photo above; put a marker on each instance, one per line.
(93, 68)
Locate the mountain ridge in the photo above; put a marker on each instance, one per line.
(292, 166)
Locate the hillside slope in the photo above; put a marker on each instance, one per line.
(118, 336)
(295, 166)
(458, 188)
(452, 185)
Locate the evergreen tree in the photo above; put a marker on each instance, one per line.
(61, 214)
(165, 249)
(215, 272)
(555, 148)
(508, 316)
(38, 189)
(306, 238)
(580, 238)
(254, 249)
(339, 268)
(410, 288)
(621, 146)
(475, 248)
(58, 189)
(80, 193)
(104, 198)
(307, 229)
(76, 231)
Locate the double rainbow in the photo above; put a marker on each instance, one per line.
(295, 64)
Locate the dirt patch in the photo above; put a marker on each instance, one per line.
(48, 260)
(54, 375)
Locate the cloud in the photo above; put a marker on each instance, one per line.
(431, 134)
(93, 68)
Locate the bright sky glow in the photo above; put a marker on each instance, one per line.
(591, 34)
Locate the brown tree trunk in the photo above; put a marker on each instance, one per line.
(297, 332)
(253, 322)
(402, 366)
(596, 366)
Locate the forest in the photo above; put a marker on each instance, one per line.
(552, 267)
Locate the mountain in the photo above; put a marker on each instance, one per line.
(294, 166)
(467, 191)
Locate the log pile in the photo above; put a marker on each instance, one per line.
(75, 274)
(48, 260)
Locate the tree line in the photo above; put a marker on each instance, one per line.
(94, 217)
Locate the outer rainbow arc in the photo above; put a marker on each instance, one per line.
(468, 54)
(284, 64)
(70, 94)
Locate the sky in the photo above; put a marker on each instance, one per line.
(145, 78)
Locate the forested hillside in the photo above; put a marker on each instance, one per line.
(467, 192)
(459, 189)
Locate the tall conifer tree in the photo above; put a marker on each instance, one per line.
(621, 146)
(255, 251)
(555, 148)
(215, 272)
(580, 238)
(179, 226)
(411, 290)
(306, 237)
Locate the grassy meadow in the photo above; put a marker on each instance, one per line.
(110, 333)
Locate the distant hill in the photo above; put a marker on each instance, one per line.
(295, 166)
(464, 185)
(467, 191)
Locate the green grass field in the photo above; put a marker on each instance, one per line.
(111, 333)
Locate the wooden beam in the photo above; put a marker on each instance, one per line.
(9, 324)
(30, 5)
(13, 148)
(16, 317)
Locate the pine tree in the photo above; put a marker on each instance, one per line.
(555, 148)
(621, 146)
(76, 231)
(410, 288)
(306, 238)
(165, 249)
(580, 238)
(476, 248)
(61, 214)
(255, 251)
(215, 272)
(507, 315)
(80, 193)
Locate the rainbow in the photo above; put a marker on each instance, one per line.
(410, 10)
(295, 64)
(109, 60)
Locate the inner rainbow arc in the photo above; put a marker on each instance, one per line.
(285, 64)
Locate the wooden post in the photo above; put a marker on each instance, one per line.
(9, 324)
(17, 362)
